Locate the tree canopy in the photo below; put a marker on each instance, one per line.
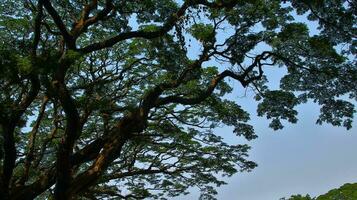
(119, 99)
(346, 192)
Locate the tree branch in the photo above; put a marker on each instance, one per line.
(33, 133)
(84, 22)
(243, 78)
(59, 23)
(8, 135)
(37, 31)
(71, 134)
(166, 27)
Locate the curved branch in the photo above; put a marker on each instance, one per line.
(48, 177)
(201, 97)
(8, 135)
(31, 147)
(243, 78)
(166, 27)
(59, 23)
(84, 22)
(71, 134)
(37, 31)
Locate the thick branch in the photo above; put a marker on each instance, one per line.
(48, 178)
(8, 135)
(37, 31)
(132, 123)
(59, 23)
(166, 27)
(71, 134)
(84, 22)
(201, 97)
(243, 78)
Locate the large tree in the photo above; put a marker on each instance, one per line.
(119, 99)
(347, 191)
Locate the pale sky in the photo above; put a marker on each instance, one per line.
(299, 159)
(302, 158)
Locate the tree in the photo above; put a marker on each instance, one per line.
(298, 197)
(346, 192)
(120, 99)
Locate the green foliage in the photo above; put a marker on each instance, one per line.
(132, 95)
(299, 197)
(202, 32)
(293, 31)
(24, 64)
(324, 48)
(278, 105)
(347, 191)
(149, 28)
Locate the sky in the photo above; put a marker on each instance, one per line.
(302, 158)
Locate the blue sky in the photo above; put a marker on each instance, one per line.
(299, 159)
(302, 158)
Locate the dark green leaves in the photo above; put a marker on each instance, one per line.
(346, 192)
(154, 95)
(337, 113)
(322, 47)
(202, 32)
(293, 31)
(277, 105)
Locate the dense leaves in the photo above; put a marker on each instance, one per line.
(346, 192)
(120, 99)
